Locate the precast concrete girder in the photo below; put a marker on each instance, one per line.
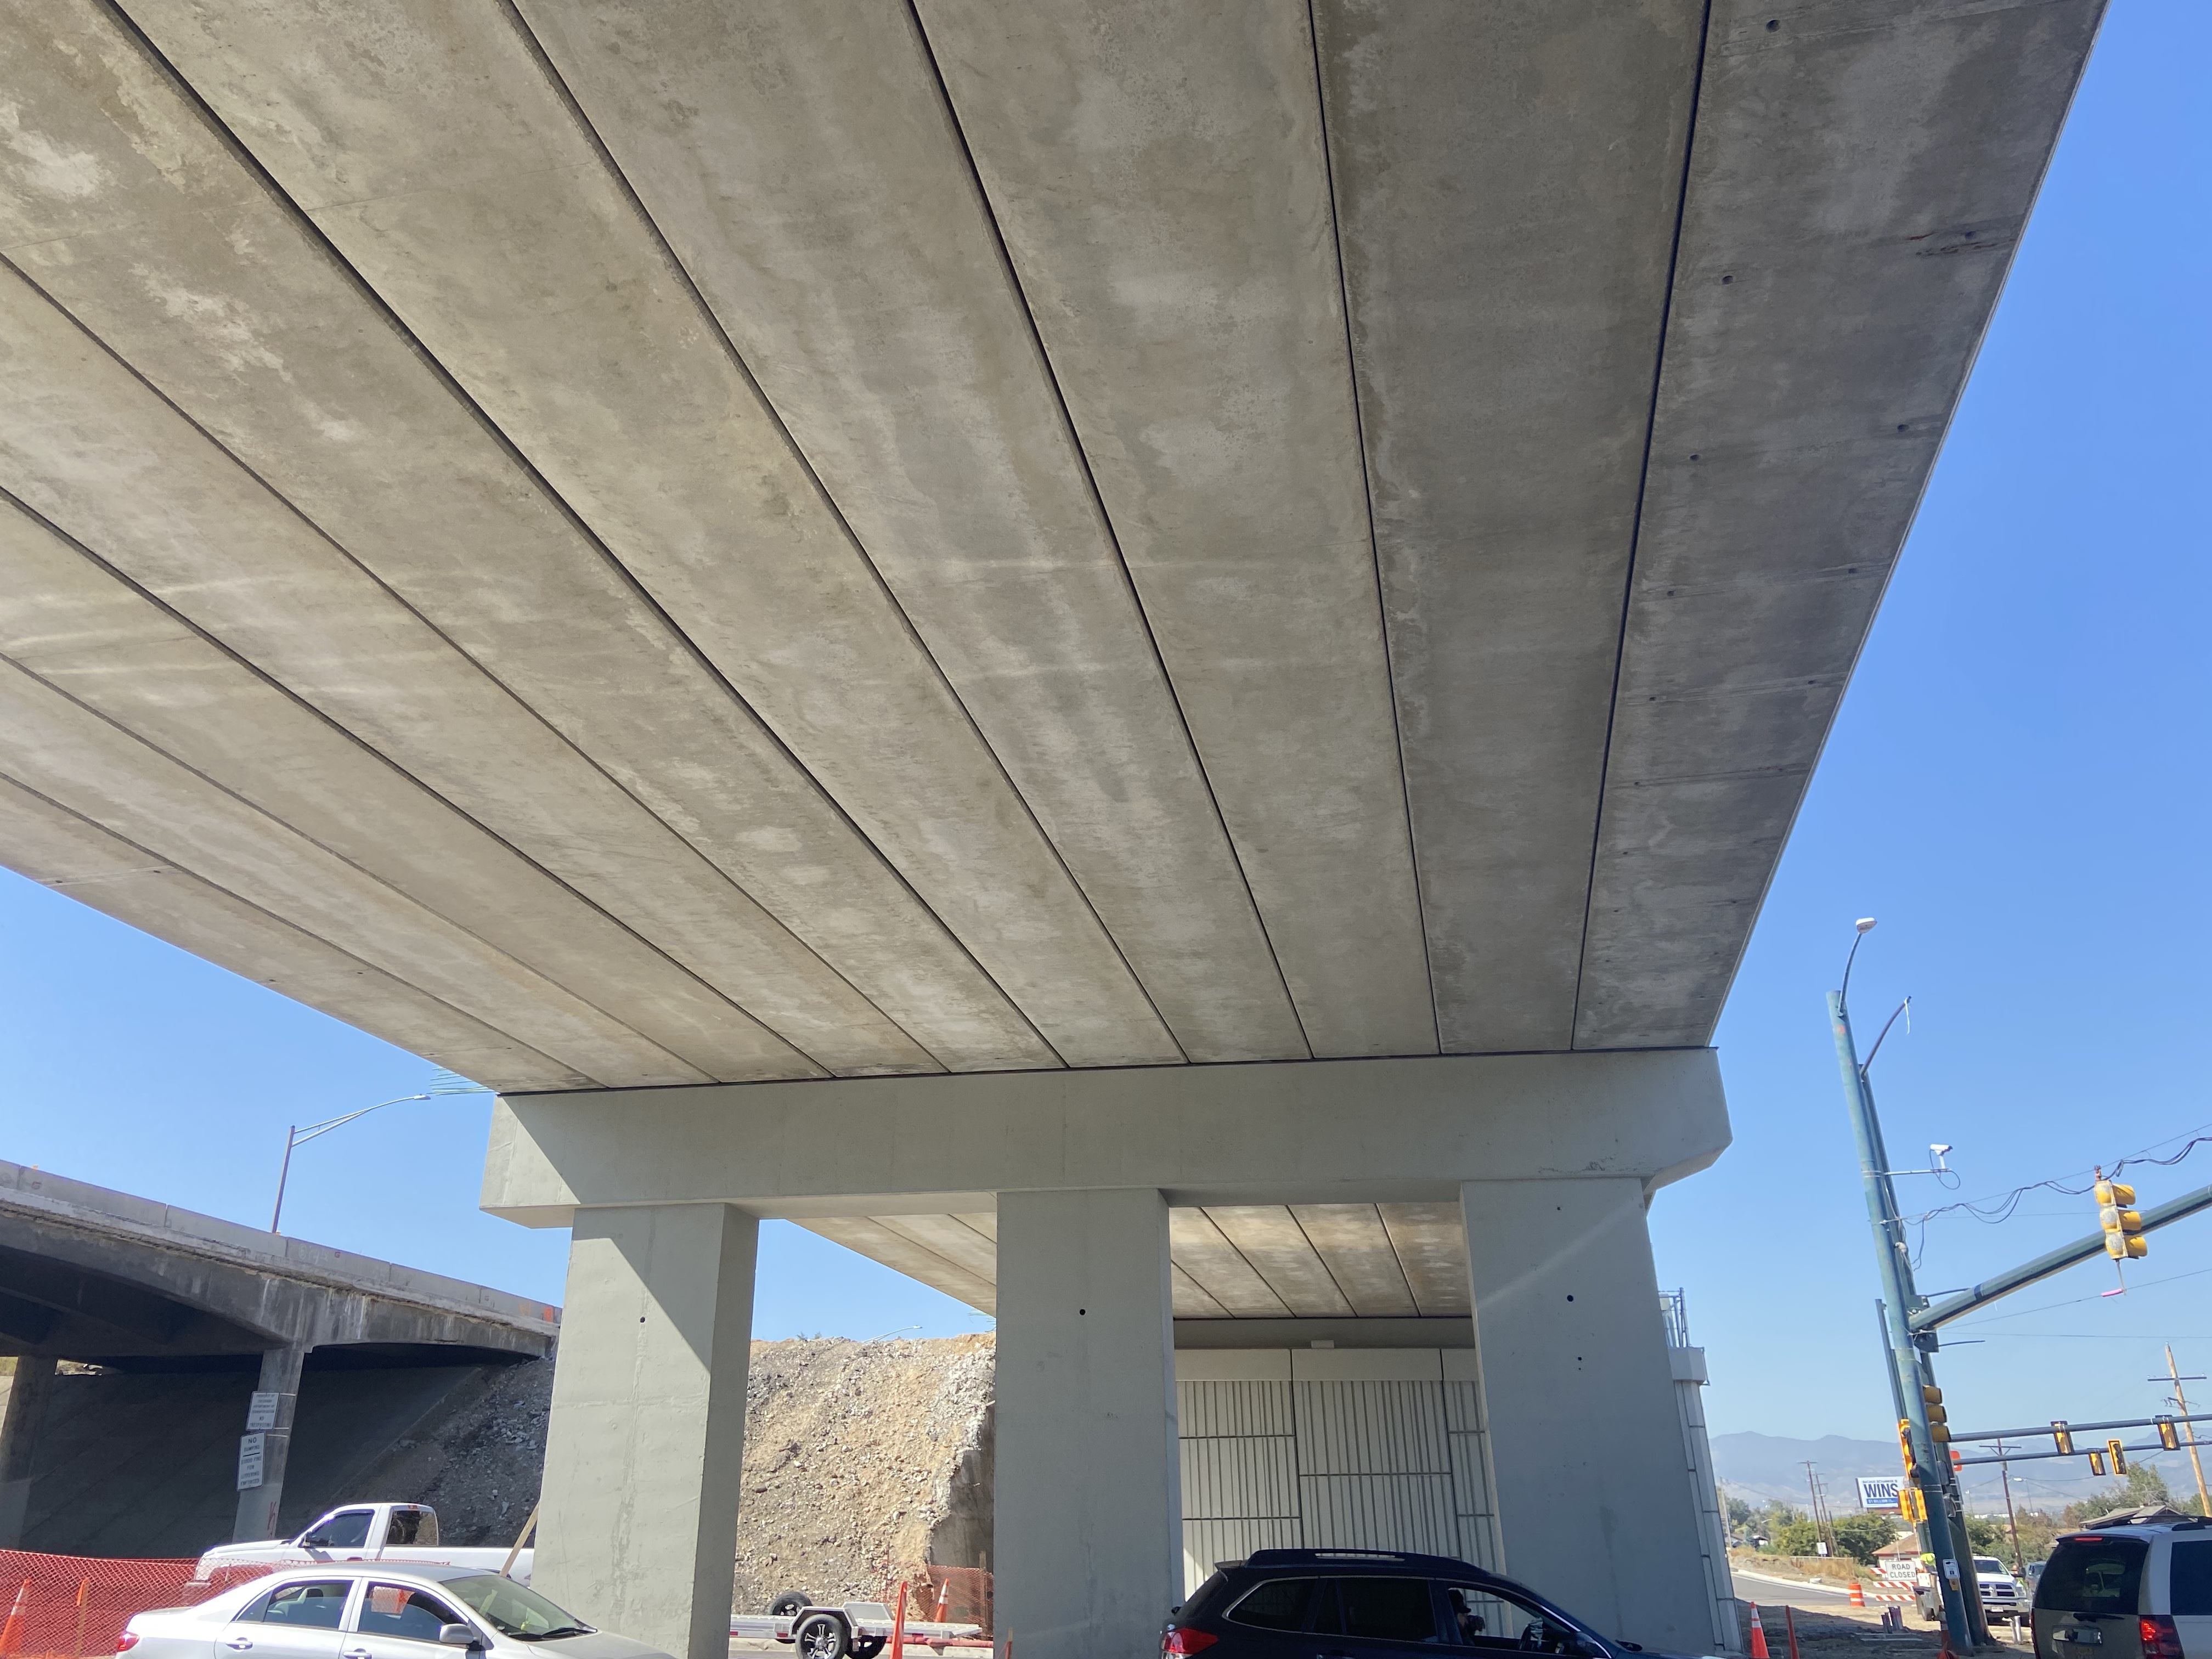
(648, 543)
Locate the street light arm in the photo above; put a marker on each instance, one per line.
(1878, 1041)
(301, 1136)
(442, 1082)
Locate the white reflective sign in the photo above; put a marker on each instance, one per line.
(1879, 1491)
(252, 1449)
(261, 1410)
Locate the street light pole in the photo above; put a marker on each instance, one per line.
(444, 1083)
(1908, 1364)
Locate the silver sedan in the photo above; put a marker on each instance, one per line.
(374, 1611)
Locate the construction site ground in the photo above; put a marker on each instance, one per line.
(1831, 1632)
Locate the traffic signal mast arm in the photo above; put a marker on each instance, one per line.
(2046, 1431)
(2063, 1433)
(2058, 1261)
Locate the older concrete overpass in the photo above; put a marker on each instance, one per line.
(101, 1277)
(1268, 573)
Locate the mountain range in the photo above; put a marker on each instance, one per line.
(1762, 1469)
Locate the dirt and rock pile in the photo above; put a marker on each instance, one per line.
(865, 1462)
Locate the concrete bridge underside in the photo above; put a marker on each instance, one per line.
(762, 552)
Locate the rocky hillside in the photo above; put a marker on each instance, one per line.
(864, 1463)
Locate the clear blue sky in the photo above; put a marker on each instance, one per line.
(2016, 787)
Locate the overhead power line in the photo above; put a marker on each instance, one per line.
(1999, 1208)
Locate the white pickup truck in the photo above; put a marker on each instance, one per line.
(368, 1532)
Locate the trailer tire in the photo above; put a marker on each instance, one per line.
(790, 1604)
(822, 1636)
(867, 1647)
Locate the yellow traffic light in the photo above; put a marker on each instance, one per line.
(2168, 1435)
(2119, 1456)
(2096, 1463)
(2121, 1220)
(2063, 1435)
(1932, 1403)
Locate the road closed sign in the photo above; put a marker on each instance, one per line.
(1879, 1492)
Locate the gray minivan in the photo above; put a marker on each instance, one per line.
(2135, 1591)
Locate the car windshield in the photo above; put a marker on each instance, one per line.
(513, 1610)
(1988, 1564)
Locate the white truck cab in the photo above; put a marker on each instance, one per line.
(369, 1532)
(2001, 1592)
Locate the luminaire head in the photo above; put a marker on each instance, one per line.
(1866, 923)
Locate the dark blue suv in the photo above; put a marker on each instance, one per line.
(1370, 1604)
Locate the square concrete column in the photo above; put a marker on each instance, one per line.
(645, 1450)
(27, 1392)
(1088, 1513)
(258, 1504)
(1594, 1500)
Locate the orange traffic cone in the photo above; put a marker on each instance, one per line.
(1757, 1635)
(1858, 1593)
(11, 1633)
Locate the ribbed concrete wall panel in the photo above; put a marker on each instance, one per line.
(1207, 1544)
(1253, 1479)
(1371, 1428)
(1379, 1512)
(1206, 1410)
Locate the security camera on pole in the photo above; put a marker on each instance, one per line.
(1929, 1496)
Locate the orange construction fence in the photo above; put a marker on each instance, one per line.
(74, 1607)
(947, 1595)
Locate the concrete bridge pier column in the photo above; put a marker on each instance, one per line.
(644, 1455)
(27, 1392)
(1595, 1499)
(257, 1505)
(1088, 1520)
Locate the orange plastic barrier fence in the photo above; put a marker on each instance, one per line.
(74, 1607)
(952, 1595)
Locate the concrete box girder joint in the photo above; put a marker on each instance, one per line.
(1391, 1130)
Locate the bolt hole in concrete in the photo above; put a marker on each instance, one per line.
(1772, 24)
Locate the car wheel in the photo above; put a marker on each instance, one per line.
(789, 1604)
(822, 1636)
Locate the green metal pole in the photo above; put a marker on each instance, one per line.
(1898, 1300)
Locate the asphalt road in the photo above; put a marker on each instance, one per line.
(1788, 1592)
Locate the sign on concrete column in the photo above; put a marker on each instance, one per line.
(1878, 1492)
(261, 1411)
(253, 1449)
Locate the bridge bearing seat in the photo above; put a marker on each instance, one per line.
(1551, 1159)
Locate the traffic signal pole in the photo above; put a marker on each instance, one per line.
(1942, 1525)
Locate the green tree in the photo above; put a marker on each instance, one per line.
(1798, 1538)
(2143, 1486)
(1985, 1536)
(2039, 1530)
(1860, 1535)
(1772, 1521)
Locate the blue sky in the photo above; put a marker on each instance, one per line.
(2016, 787)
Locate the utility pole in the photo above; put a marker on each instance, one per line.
(1821, 1525)
(1939, 1531)
(2012, 1521)
(2181, 1403)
